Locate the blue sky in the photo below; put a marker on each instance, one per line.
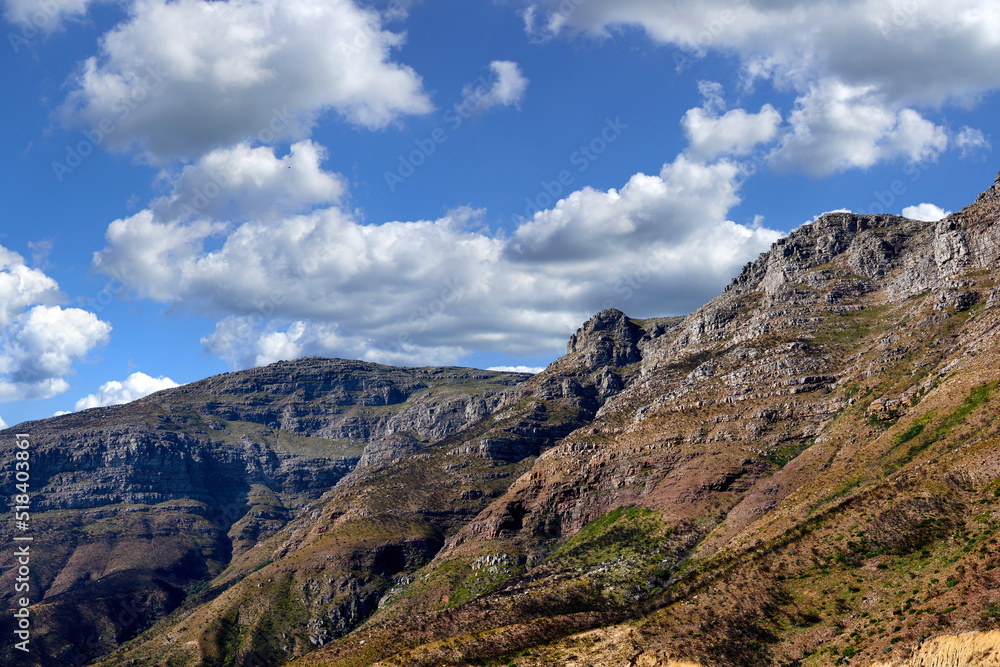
(193, 187)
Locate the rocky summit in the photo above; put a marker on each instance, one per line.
(805, 471)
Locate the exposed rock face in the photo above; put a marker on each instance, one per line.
(406, 492)
(607, 339)
(973, 649)
(137, 465)
(992, 195)
(321, 398)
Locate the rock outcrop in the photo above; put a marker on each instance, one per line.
(972, 649)
(607, 339)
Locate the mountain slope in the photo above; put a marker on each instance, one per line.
(328, 569)
(806, 473)
(135, 505)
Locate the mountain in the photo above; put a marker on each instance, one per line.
(137, 505)
(805, 471)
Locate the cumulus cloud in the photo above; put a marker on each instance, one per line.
(506, 89)
(914, 52)
(925, 212)
(860, 70)
(680, 205)
(21, 286)
(428, 291)
(133, 388)
(40, 348)
(241, 181)
(835, 127)
(3, 424)
(40, 341)
(711, 133)
(180, 79)
(247, 341)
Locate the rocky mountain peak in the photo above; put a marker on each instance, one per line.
(609, 338)
(868, 240)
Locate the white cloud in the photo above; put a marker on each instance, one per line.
(246, 341)
(542, 25)
(736, 132)
(925, 212)
(154, 250)
(46, 340)
(860, 69)
(3, 424)
(507, 89)
(534, 370)
(133, 388)
(428, 291)
(239, 182)
(914, 52)
(21, 286)
(970, 140)
(42, 345)
(40, 341)
(679, 205)
(179, 79)
(835, 127)
(44, 15)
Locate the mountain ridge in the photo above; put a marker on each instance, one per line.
(748, 484)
